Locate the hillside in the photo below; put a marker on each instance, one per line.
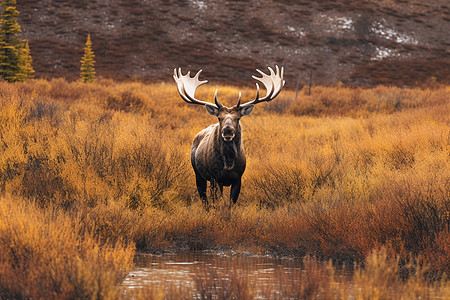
(364, 42)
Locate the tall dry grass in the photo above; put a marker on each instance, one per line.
(60, 149)
(51, 255)
(336, 174)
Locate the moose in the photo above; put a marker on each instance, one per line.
(217, 153)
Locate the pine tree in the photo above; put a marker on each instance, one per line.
(10, 45)
(87, 62)
(25, 68)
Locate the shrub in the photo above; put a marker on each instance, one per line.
(51, 255)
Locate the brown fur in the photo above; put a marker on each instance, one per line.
(216, 160)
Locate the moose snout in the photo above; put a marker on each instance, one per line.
(228, 133)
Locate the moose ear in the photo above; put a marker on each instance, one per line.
(245, 111)
(212, 110)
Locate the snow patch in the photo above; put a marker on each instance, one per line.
(382, 52)
(343, 23)
(199, 4)
(296, 32)
(389, 33)
(334, 23)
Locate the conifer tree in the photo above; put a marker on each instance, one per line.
(10, 45)
(25, 64)
(88, 62)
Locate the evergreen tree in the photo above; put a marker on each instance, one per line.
(15, 58)
(87, 62)
(25, 68)
(10, 45)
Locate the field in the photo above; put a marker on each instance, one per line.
(92, 173)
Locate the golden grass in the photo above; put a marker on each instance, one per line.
(337, 174)
(51, 255)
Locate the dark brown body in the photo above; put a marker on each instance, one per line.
(218, 161)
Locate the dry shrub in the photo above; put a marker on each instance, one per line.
(379, 279)
(187, 228)
(126, 101)
(366, 169)
(82, 153)
(423, 224)
(51, 255)
(57, 88)
(282, 104)
(111, 223)
(287, 182)
(363, 102)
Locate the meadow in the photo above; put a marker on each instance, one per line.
(92, 173)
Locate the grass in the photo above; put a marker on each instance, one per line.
(53, 255)
(90, 172)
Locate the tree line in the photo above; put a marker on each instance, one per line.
(15, 56)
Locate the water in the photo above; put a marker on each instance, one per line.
(221, 274)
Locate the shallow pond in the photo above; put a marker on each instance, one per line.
(214, 275)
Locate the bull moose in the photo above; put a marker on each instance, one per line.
(217, 153)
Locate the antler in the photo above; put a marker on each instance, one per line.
(273, 84)
(187, 85)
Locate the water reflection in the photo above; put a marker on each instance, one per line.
(198, 272)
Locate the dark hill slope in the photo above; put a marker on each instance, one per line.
(354, 41)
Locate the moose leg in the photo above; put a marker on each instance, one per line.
(201, 187)
(213, 192)
(235, 190)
